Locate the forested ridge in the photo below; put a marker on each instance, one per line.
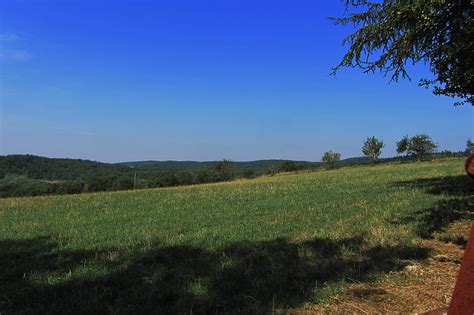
(30, 175)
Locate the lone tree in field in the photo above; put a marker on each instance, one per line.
(393, 33)
(330, 158)
(372, 148)
(419, 145)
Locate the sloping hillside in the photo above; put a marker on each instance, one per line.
(289, 241)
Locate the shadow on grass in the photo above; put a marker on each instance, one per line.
(240, 278)
(459, 186)
(460, 205)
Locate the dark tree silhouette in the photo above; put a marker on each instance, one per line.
(391, 33)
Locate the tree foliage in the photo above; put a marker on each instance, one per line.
(469, 145)
(331, 158)
(419, 145)
(372, 148)
(224, 169)
(402, 145)
(288, 166)
(391, 33)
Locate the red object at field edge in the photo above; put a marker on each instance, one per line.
(469, 165)
(462, 301)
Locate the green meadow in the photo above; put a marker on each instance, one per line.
(243, 246)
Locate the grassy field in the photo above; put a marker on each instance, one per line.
(243, 246)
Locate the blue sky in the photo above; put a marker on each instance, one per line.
(199, 80)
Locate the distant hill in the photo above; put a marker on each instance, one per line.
(38, 167)
(29, 175)
(184, 166)
(259, 166)
(355, 161)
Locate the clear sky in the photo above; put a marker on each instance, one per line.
(199, 80)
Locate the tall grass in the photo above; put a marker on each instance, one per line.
(243, 246)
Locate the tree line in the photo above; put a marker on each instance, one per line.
(416, 148)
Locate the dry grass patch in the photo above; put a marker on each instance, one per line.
(419, 287)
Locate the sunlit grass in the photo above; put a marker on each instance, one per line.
(318, 228)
